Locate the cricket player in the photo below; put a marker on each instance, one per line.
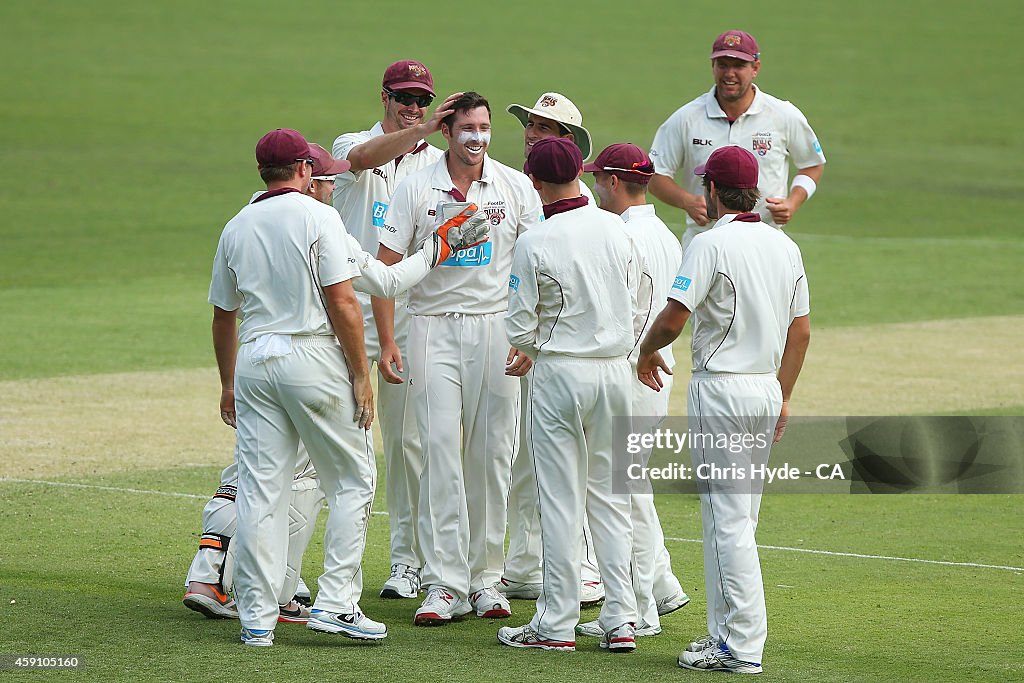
(744, 283)
(210, 578)
(736, 112)
(381, 157)
(464, 379)
(621, 173)
(575, 296)
(554, 115)
(284, 267)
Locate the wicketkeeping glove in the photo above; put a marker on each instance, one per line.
(468, 228)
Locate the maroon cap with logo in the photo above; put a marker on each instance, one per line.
(730, 167)
(325, 165)
(555, 160)
(408, 74)
(738, 44)
(282, 147)
(625, 160)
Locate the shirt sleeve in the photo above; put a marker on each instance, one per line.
(388, 282)
(667, 148)
(521, 319)
(399, 223)
(693, 282)
(801, 304)
(804, 149)
(335, 257)
(641, 287)
(532, 212)
(224, 292)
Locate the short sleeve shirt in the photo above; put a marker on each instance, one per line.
(745, 283)
(773, 129)
(472, 281)
(272, 261)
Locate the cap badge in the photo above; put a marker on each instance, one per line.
(417, 70)
(733, 40)
(548, 101)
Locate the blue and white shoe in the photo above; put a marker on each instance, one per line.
(717, 657)
(355, 625)
(257, 637)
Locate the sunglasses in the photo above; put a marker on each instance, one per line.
(405, 99)
(308, 160)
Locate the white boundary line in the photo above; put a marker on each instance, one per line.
(118, 489)
(867, 557)
(667, 538)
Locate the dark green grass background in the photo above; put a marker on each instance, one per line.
(126, 138)
(127, 130)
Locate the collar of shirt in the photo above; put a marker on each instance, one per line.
(273, 193)
(638, 211)
(714, 110)
(563, 205)
(741, 217)
(442, 180)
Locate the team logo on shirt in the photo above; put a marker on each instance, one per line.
(761, 143)
(513, 283)
(495, 215)
(470, 257)
(548, 101)
(681, 283)
(377, 213)
(817, 147)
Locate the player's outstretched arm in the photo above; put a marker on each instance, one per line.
(664, 330)
(347, 319)
(797, 340)
(383, 148)
(225, 347)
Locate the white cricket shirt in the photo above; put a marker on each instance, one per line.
(773, 129)
(575, 287)
(744, 282)
(663, 254)
(272, 261)
(362, 197)
(472, 281)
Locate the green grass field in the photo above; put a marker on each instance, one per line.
(127, 137)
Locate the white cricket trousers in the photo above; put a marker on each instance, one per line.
(524, 561)
(457, 380)
(653, 578)
(572, 404)
(403, 457)
(722, 403)
(305, 395)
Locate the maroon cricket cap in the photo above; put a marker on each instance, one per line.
(738, 44)
(282, 147)
(625, 160)
(730, 166)
(324, 164)
(555, 160)
(408, 74)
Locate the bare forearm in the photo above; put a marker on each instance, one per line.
(798, 195)
(797, 340)
(665, 328)
(347, 319)
(225, 345)
(384, 318)
(383, 148)
(666, 189)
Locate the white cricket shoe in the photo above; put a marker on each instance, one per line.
(717, 658)
(517, 590)
(673, 602)
(526, 637)
(257, 637)
(591, 593)
(353, 625)
(404, 582)
(593, 628)
(490, 604)
(702, 643)
(440, 608)
(620, 639)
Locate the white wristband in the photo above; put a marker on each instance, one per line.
(806, 182)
